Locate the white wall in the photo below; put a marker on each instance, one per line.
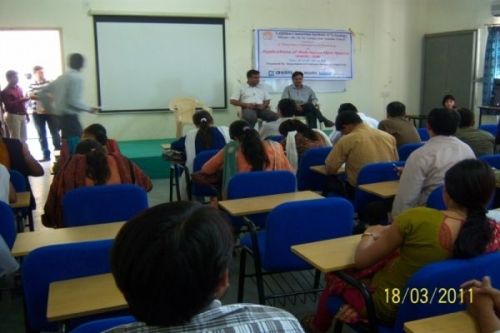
(387, 45)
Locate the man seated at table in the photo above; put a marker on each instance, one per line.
(172, 265)
(372, 122)
(398, 126)
(425, 168)
(306, 100)
(481, 142)
(286, 110)
(359, 145)
(254, 100)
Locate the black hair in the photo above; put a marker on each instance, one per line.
(37, 68)
(347, 118)
(203, 120)
(396, 109)
(251, 145)
(252, 72)
(291, 125)
(471, 185)
(447, 97)
(169, 260)
(10, 73)
(443, 121)
(466, 117)
(76, 61)
(347, 107)
(287, 107)
(97, 160)
(98, 132)
(297, 73)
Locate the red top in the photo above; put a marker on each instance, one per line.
(13, 99)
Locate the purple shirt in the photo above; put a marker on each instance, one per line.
(13, 100)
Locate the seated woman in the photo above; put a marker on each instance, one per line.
(98, 132)
(387, 256)
(90, 165)
(206, 136)
(298, 138)
(246, 153)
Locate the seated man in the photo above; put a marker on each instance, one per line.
(359, 145)
(425, 168)
(372, 122)
(253, 100)
(398, 126)
(307, 102)
(481, 142)
(286, 110)
(172, 265)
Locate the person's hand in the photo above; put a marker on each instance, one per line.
(398, 170)
(299, 108)
(483, 288)
(376, 229)
(260, 107)
(249, 105)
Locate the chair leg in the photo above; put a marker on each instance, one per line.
(241, 277)
(171, 181)
(177, 185)
(317, 277)
(30, 221)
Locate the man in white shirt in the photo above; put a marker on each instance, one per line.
(286, 110)
(425, 168)
(371, 122)
(253, 100)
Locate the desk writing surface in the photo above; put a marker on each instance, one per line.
(265, 203)
(321, 169)
(23, 200)
(83, 296)
(329, 255)
(384, 190)
(28, 241)
(448, 323)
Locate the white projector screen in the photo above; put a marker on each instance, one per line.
(145, 62)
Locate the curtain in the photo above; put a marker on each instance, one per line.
(491, 63)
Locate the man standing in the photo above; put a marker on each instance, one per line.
(41, 117)
(253, 100)
(306, 100)
(66, 92)
(15, 106)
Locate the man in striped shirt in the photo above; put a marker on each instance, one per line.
(172, 265)
(41, 117)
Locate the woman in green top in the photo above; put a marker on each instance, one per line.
(417, 237)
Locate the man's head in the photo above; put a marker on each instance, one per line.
(287, 107)
(346, 121)
(76, 61)
(466, 118)
(253, 77)
(12, 77)
(442, 122)
(171, 261)
(448, 102)
(395, 109)
(346, 107)
(39, 74)
(297, 78)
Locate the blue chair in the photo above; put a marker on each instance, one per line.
(404, 151)
(277, 138)
(490, 128)
(198, 190)
(21, 184)
(492, 160)
(424, 133)
(258, 183)
(435, 199)
(290, 224)
(54, 263)
(103, 204)
(449, 275)
(7, 224)
(306, 178)
(98, 326)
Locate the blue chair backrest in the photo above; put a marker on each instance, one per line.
(18, 181)
(103, 204)
(258, 183)
(490, 128)
(374, 173)
(98, 326)
(54, 263)
(492, 160)
(7, 224)
(405, 150)
(435, 199)
(199, 160)
(276, 138)
(424, 133)
(306, 178)
(301, 222)
(449, 275)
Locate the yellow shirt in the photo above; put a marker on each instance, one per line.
(364, 145)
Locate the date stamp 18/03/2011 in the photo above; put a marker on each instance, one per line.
(429, 296)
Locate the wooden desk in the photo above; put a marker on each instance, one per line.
(265, 203)
(23, 200)
(321, 169)
(83, 296)
(384, 190)
(488, 110)
(28, 241)
(448, 323)
(329, 255)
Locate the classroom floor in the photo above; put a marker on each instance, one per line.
(11, 307)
